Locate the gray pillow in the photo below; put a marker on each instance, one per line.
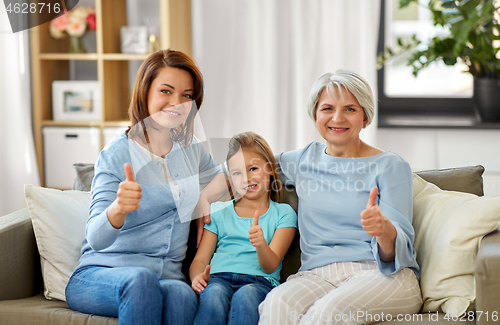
(84, 176)
(462, 179)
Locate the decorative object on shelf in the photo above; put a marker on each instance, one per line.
(134, 39)
(474, 40)
(152, 26)
(76, 100)
(74, 23)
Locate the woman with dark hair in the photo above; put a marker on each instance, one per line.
(144, 191)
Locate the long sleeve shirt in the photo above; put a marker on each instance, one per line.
(155, 235)
(332, 193)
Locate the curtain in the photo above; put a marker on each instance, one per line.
(18, 165)
(260, 58)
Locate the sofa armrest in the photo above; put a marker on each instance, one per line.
(488, 279)
(20, 275)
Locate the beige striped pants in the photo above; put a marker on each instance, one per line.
(342, 293)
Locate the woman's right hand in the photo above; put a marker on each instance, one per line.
(200, 281)
(127, 198)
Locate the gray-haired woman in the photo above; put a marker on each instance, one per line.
(358, 264)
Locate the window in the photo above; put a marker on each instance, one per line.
(439, 90)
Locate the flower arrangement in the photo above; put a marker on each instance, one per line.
(74, 23)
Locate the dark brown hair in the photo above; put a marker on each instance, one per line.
(148, 71)
(254, 142)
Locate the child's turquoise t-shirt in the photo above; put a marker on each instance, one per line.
(234, 253)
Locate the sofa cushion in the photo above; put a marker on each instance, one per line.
(448, 227)
(84, 176)
(59, 219)
(462, 179)
(38, 310)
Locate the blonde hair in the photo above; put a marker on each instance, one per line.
(351, 82)
(254, 142)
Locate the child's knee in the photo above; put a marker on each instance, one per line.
(214, 291)
(250, 295)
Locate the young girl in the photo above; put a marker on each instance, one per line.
(246, 239)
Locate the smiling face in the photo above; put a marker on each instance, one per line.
(339, 120)
(250, 175)
(170, 97)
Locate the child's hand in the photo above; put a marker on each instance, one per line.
(200, 281)
(255, 233)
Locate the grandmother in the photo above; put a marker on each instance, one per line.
(358, 264)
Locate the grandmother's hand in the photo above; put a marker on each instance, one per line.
(376, 224)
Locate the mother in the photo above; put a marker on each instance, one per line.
(145, 188)
(358, 264)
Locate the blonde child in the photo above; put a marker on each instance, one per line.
(239, 258)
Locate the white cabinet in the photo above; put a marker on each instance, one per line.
(110, 132)
(64, 146)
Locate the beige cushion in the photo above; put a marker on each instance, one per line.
(448, 227)
(39, 311)
(59, 219)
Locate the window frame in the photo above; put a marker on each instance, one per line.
(415, 106)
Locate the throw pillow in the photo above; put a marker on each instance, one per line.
(462, 179)
(59, 219)
(84, 176)
(448, 228)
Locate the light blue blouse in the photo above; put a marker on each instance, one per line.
(155, 235)
(332, 193)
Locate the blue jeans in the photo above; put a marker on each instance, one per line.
(232, 298)
(133, 294)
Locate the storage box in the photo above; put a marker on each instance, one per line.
(64, 146)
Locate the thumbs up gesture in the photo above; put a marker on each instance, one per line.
(376, 224)
(127, 198)
(255, 233)
(200, 281)
(372, 218)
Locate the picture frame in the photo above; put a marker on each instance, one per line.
(76, 100)
(134, 39)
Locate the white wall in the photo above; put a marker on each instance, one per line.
(446, 148)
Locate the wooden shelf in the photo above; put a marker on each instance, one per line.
(51, 61)
(124, 57)
(71, 123)
(117, 124)
(68, 56)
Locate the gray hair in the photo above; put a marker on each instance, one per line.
(350, 81)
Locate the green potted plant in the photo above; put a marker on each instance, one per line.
(474, 28)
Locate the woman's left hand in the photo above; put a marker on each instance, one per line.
(376, 224)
